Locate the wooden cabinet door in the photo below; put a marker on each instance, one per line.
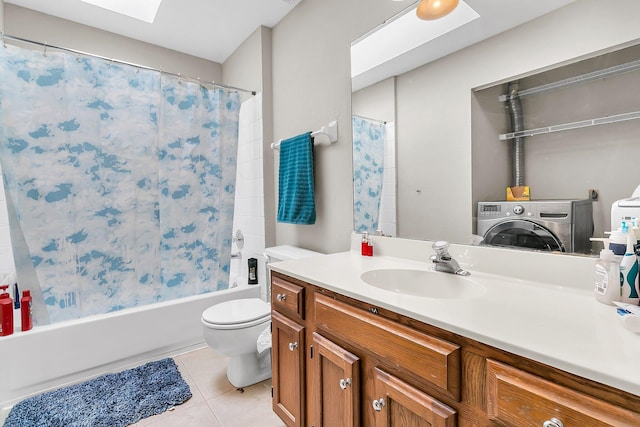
(518, 398)
(335, 385)
(288, 358)
(397, 403)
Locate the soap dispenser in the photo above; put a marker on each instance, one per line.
(607, 277)
(6, 312)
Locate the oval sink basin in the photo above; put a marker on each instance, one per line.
(424, 283)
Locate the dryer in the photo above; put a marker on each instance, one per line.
(545, 225)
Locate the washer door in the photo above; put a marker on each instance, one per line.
(522, 234)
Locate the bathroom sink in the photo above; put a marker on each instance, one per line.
(424, 283)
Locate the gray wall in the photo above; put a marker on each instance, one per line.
(312, 86)
(36, 26)
(377, 101)
(2, 15)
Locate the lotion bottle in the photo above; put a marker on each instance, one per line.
(607, 278)
(629, 291)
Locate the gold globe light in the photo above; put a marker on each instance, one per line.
(435, 9)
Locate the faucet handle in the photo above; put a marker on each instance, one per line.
(440, 247)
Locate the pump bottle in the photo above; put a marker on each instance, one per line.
(607, 277)
(6, 312)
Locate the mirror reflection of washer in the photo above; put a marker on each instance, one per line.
(549, 225)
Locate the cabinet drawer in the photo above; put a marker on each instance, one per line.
(435, 360)
(517, 398)
(287, 298)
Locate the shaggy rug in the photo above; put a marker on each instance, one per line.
(111, 400)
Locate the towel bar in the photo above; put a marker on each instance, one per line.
(331, 131)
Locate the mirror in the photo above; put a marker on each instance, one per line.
(449, 131)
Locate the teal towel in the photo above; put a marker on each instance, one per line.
(296, 203)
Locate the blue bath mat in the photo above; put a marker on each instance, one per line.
(111, 400)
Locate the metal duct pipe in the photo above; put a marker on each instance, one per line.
(517, 145)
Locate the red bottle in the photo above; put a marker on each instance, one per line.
(364, 246)
(6, 312)
(25, 311)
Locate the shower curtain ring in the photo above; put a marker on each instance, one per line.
(4, 45)
(44, 51)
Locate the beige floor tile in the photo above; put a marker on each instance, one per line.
(199, 415)
(251, 408)
(208, 371)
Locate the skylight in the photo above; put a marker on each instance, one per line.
(143, 10)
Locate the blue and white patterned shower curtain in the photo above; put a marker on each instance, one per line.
(368, 173)
(121, 181)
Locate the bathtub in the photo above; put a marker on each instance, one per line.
(50, 356)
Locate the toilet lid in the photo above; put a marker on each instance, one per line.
(237, 311)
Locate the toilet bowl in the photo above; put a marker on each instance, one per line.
(232, 329)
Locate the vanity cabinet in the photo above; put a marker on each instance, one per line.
(338, 361)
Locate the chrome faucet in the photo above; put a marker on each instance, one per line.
(444, 262)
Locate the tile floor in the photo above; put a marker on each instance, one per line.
(215, 402)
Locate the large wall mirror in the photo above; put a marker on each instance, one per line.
(434, 143)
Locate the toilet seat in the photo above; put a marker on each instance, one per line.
(237, 314)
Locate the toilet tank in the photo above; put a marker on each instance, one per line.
(284, 253)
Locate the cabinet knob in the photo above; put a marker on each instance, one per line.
(281, 297)
(345, 383)
(553, 422)
(378, 404)
(293, 346)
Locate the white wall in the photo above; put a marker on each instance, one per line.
(248, 215)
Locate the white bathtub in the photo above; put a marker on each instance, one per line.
(67, 352)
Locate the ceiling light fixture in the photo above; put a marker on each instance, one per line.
(435, 9)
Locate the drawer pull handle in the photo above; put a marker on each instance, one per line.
(345, 383)
(553, 422)
(281, 297)
(293, 346)
(378, 404)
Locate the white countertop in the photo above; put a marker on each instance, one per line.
(561, 326)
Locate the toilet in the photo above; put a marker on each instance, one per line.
(232, 327)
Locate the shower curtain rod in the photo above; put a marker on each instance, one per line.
(384, 122)
(45, 45)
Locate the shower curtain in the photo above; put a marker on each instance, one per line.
(120, 182)
(368, 173)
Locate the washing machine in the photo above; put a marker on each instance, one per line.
(549, 225)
